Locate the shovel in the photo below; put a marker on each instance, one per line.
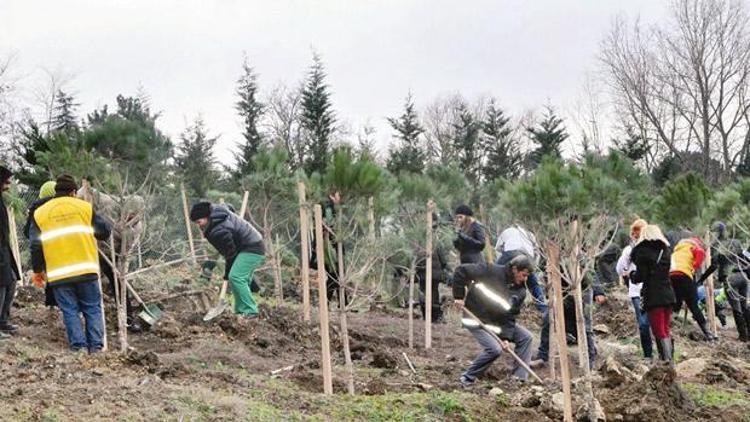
(221, 304)
(151, 314)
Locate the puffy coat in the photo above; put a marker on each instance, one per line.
(652, 260)
(492, 295)
(230, 235)
(470, 244)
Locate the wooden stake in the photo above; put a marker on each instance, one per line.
(710, 300)
(323, 303)
(305, 248)
(489, 251)
(411, 304)
(428, 279)
(14, 243)
(371, 218)
(243, 207)
(553, 268)
(552, 345)
(187, 223)
(277, 268)
(409, 362)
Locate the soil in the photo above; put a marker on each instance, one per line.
(268, 368)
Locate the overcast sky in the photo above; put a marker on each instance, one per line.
(187, 54)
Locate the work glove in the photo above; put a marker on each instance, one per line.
(38, 279)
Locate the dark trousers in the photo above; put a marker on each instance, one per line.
(6, 301)
(437, 311)
(737, 297)
(686, 291)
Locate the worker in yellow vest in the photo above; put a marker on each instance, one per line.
(63, 237)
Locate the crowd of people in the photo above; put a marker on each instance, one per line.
(660, 272)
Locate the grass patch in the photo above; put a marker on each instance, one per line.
(707, 396)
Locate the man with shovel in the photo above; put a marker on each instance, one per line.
(240, 243)
(494, 298)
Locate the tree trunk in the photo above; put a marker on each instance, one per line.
(273, 259)
(342, 305)
(710, 301)
(371, 218)
(187, 223)
(553, 269)
(411, 304)
(428, 281)
(119, 267)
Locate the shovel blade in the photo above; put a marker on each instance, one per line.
(151, 314)
(216, 311)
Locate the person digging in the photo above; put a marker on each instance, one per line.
(494, 298)
(239, 243)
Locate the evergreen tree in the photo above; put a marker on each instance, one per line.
(634, 146)
(408, 155)
(64, 113)
(251, 110)
(466, 141)
(317, 118)
(504, 158)
(129, 139)
(548, 138)
(195, 160)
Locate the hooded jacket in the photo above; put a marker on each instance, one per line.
(492, 296)
(652, 261)
(231, 235)
(8, 268)
(687, 257)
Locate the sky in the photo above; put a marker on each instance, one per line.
(187, 54)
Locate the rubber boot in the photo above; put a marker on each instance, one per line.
(667, 350)
(660, 349)
(707, 335)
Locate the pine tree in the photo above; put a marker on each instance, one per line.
(64, 118)
(195, 159)
(634, 146)
(504, 158)
(317, 118)
(548, 138)
(251, 110)
(408, 155)
(466, 131)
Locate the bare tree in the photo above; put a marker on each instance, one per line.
(282, 122)
(685, 84)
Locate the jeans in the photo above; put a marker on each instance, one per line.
(240, 274)
(492, 349)
(641, 318)
(84, 297)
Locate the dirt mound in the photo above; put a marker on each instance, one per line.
(28, 295)
(657, 396)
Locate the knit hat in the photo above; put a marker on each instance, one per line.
(47, 190)
(65, 184)
(200, 210)
(521, 262)
(5, 174)
(464, 210)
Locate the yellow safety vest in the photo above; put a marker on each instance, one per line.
(67, 237)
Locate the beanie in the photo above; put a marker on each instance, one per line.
(47, 190)
(200, 210)
(5, 174)
(65, 184)
(464, 210)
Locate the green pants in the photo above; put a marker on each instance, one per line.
(239, 276)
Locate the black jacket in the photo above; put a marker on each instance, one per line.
(230, 235)
(8, 268)
(470, 244)
(496, 280)
(652, 260)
